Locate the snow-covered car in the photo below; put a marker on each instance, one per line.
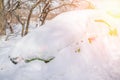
(83, 45)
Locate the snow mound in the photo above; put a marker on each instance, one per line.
(60, 32)
(82, 42)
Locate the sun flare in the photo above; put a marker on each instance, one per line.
(111, 7)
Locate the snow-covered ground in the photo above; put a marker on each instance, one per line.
(83, 45)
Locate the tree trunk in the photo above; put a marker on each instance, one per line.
(29, 16)
(2, 18)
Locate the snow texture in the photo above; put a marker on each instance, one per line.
(83, 50)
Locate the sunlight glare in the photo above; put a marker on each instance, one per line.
(111, 7)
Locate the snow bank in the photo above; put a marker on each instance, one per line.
(85, 45)
(58, 33)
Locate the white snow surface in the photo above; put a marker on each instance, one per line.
(66, 38)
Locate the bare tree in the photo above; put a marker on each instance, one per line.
(2, 21)
(46, 7)
(29, 16)
(21, 11)
(9, 12)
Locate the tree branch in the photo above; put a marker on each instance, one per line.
(29, 16)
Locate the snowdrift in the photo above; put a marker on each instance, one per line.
(62, 31)
(85, 46)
